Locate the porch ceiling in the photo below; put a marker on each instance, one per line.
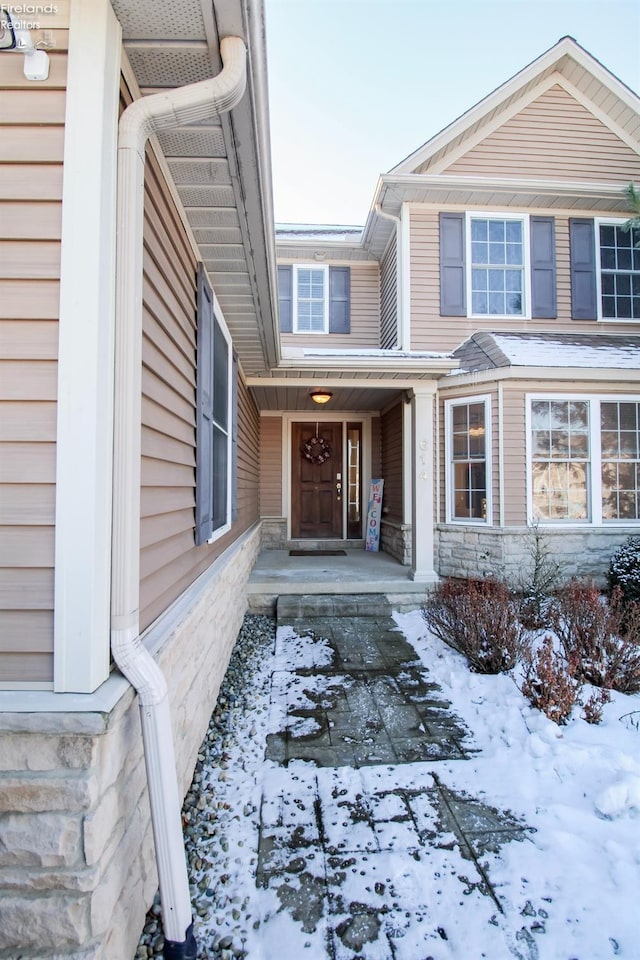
(351, 398)
(221, 169)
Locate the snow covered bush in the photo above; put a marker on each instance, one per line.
(478, 619)
(538, 579)
(624, 570)
(600, 639)
(548, 682)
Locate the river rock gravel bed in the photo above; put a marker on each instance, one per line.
(224, 800)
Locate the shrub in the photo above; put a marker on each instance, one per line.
(478, 619)
(548, 682)
(624, 570)
(595, 704)
(601, 640)
(538, 579)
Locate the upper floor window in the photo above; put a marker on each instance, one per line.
(314, 298)
(468, 459)
(497, 267)
(619, 272)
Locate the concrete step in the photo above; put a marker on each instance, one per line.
(324, 545)
(297, 606)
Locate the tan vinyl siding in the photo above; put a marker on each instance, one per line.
(271, 466)
(430, 331)
(514, 452)
(376, 450)
(365, 315)
(389, 297)
(169, 560)
(554, 137)
(392, 459)
(31, 156)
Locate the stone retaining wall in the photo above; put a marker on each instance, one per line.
(474, 552)
(77, 865)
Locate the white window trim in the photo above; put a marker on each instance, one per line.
(594, 495)
(523, 218)
(325, 293)
(449, 473)
(598, 222)
(219, 319)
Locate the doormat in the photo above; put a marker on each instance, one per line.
(317, 553)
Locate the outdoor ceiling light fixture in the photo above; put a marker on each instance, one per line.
(321, 396)
(14, 39)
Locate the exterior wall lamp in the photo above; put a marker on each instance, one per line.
(321, 396)
(14, 39)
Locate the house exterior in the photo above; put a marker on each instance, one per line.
(160, 342)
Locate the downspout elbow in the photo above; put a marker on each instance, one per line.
(203, 100)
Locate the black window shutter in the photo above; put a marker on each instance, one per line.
(204, 410)
(543, 267)
(285, 299)
(234, 438)
(339, 300)
(582, 243)
(452, 265)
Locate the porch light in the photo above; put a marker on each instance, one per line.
(15, 39)
(321, 396)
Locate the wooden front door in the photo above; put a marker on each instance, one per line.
(316, 488)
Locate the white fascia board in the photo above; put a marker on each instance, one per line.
(382, 364)
(86, 351)
(579, 189)
(571, 374)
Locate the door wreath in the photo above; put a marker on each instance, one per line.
(316, 449)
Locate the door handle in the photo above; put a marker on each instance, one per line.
(338, 489)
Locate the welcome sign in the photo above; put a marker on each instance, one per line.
(374, 515)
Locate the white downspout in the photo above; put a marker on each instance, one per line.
(144, 117)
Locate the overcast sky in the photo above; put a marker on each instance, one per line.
(357, 85)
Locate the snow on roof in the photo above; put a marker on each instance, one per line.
(318, 232)
(485, 350)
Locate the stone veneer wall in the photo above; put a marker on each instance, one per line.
(464, 551)
(395, 539)
(77, 864)
(274, 533)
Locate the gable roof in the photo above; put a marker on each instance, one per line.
(426, 175)
(566, 63)
(486, 350)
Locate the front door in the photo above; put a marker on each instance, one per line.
(316, 481)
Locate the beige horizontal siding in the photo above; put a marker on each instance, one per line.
(271, 466)
(430, 331)
(169, 559)
(31, 155)
(365, 315)
(555, 137)
(392, 460)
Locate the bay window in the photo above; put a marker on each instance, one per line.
(584, 459)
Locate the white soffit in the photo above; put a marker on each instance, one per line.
(216, 166)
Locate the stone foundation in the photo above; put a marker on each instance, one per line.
(507, 553)
(274, 533)
(77, 864)
(395, 539)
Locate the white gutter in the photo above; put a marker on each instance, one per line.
(148, 115)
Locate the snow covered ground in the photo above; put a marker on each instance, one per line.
(569, 891)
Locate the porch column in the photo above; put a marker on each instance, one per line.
(422, 503)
